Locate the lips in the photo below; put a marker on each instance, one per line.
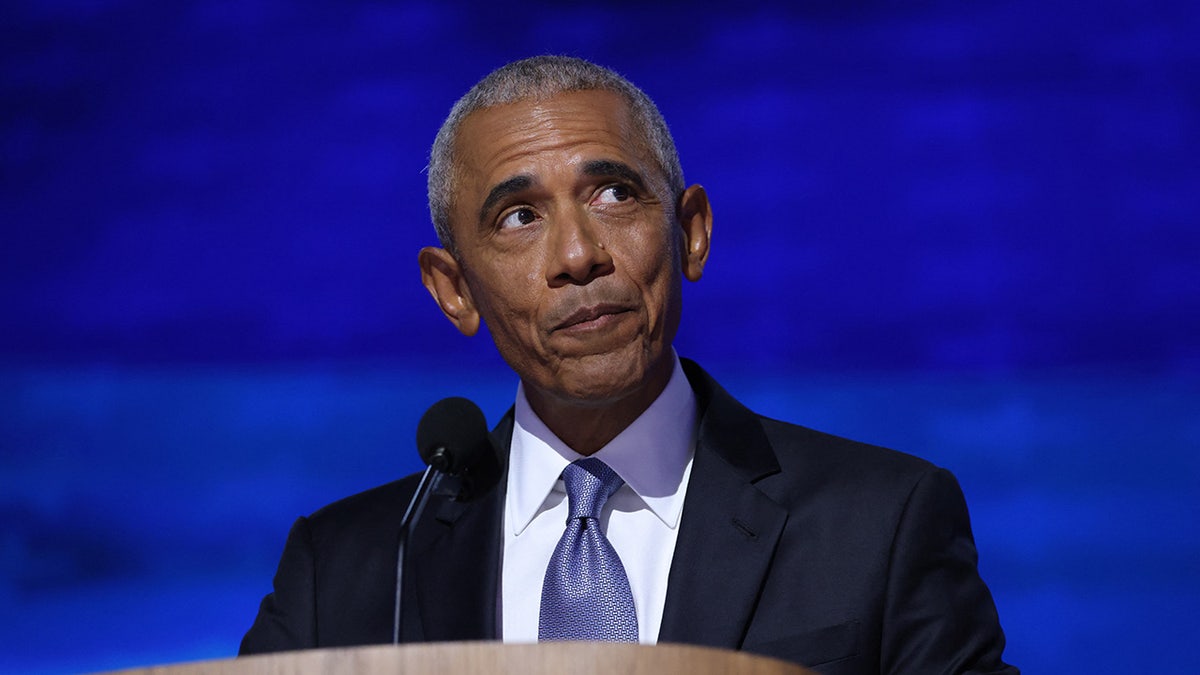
(591, 315)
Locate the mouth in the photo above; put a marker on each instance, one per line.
(591, 318)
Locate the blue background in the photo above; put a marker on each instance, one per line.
(967, 230)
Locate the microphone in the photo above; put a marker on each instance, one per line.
(452, 439)
(452, 435)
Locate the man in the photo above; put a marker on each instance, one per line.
(566, 226)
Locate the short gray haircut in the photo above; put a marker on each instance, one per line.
(539, 78)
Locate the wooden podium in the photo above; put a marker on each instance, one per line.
(470, 658)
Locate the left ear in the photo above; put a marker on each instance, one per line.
(695, 220)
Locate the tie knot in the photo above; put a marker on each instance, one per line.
(589, 484)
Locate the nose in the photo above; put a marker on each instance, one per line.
(577, 255)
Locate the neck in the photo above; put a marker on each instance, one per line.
(587, 426)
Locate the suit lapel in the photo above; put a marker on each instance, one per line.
(728, 529)
(456, 560)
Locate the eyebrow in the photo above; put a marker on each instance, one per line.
(502, 190)
(608, 167)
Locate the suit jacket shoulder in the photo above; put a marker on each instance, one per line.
(336, 581)
(842, 556)
(346, 550)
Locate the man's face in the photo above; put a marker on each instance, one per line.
(568, 246)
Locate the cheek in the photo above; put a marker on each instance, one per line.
(510, 311)
(654, 263)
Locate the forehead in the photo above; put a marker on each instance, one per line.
(536, 137)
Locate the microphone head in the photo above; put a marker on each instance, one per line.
(452, 436)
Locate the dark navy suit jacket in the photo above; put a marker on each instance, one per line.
(840, 556)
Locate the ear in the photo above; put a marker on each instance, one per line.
(695, 219)
(443, 278)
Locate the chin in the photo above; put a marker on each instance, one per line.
(604, 379)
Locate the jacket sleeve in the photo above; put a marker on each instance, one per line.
(939, 616)
(287, 617)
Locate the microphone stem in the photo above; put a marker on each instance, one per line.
(416, 505)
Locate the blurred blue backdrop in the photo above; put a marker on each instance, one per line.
(967, 230)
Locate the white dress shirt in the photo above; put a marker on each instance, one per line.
(654, 457)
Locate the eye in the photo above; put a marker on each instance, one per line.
(613, 194)
(517, 218)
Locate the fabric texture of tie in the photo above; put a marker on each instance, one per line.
(586, 594)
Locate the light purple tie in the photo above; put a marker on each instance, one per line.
(586, 594)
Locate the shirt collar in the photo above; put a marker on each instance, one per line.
(651, 455)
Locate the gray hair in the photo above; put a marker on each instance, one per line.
(539, 78)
